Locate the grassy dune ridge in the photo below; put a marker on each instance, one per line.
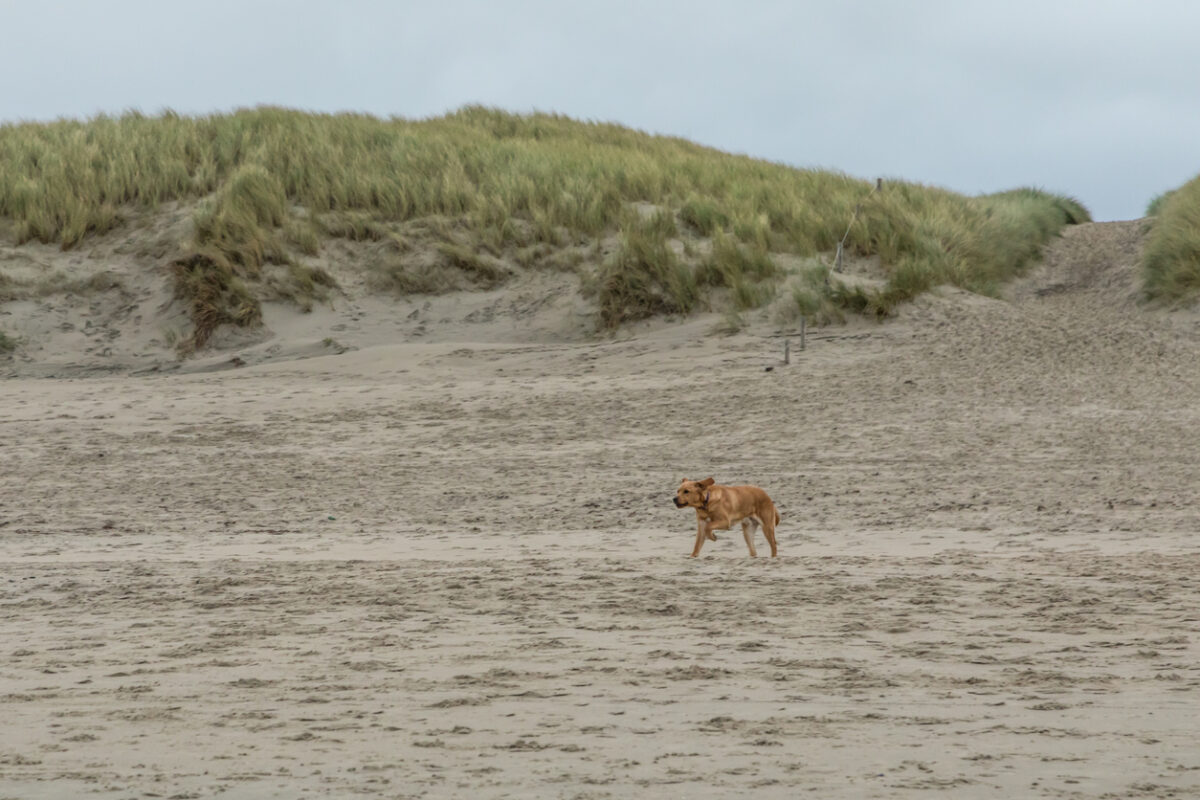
(1171, 261)
(482, 189)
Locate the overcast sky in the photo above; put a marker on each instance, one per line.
(1100, 100)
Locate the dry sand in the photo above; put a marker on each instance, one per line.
(446, 564)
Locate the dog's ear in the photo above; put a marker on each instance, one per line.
(682, 481)
(707, 482)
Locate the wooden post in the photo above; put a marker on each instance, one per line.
(803, 330)
(787, 351)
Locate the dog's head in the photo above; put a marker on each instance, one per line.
(692, 493)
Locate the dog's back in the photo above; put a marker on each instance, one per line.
(739, 502)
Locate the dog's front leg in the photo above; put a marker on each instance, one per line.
(702, 533)
(748, 528)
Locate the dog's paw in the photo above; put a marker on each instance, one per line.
(712, 537)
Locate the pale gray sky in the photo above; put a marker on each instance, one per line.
(1100, 100)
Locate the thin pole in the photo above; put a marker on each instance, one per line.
(837, 266)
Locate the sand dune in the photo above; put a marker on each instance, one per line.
(446, 564)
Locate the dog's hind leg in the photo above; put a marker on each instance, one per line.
(768, 523)
(748, 527)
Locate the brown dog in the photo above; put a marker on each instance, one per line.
(719, 507)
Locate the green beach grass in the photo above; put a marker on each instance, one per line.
(1171, 260)
(485, 189)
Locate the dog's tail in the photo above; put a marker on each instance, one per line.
(777, 516)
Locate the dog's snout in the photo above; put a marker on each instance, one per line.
(677, 503)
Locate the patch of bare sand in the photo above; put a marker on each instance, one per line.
(451, 568)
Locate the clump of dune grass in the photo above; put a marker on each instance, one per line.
(814, 292)
(239, 223)
(703, 215)
(926, 237)
(269, 185)
(482, 269)
(7, 344)
(216, 295)
(1171, 259)
(354, 226)
(392, 275)
(1156, 203)
(303, 236)
(301, 284)
(746, 270)
(644, 276)
(235, 235)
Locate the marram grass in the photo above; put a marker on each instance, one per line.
(1157, 202)
(486, 187)
(1171, 260)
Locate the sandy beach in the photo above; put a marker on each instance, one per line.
(443, 560)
